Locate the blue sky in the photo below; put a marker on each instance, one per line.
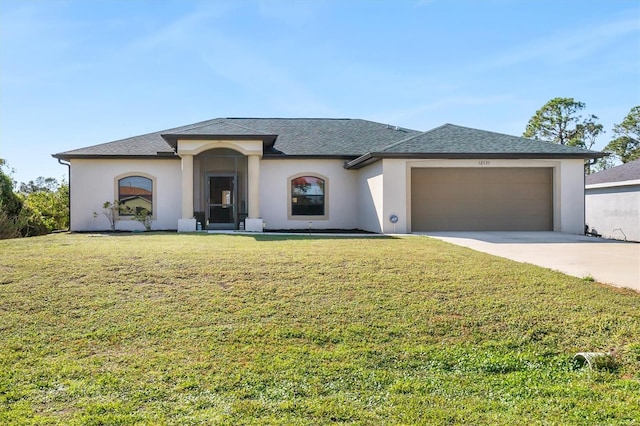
(76, 73)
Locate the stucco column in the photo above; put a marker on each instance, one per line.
(187, 223)
(187, 186)
(254, 186)
(254, 223)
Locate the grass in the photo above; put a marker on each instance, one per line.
(213, 329)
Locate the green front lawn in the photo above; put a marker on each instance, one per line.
(213, 329)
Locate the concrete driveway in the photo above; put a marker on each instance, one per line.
(607, 261)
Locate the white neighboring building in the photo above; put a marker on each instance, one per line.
(612, 202)
(319, 174)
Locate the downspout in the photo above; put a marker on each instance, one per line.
(64, 163)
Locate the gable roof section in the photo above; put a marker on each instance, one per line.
(451, 141)
(217, 128)
(624, 172)
(147, 145)
(291, 137)
(360, 141)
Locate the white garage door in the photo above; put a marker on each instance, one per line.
(482, 199)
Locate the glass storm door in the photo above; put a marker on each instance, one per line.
(222, 204)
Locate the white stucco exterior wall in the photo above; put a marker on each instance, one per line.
(569, 197)
(370, 197)
(397, 196)
(93, 182)
(342, 187)
(356, 199)
(568, 189)
(613, 209)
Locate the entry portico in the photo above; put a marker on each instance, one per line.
(187, 149)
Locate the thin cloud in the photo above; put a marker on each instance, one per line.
(420, 3)
(569, 45)
(249, 71)
(292, 13)
(447, 103)
(181, 31)
(232, 62)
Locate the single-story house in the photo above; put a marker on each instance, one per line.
(612, 202)
(283, 173)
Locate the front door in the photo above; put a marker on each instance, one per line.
(222, 204)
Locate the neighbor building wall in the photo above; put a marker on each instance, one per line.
(613, 209)
(341, 199)
(568, 189)
(93, 182)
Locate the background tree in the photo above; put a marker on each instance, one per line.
(9, 201)
(558, 121)
(48, 201)
(603, 164)
(626, 145)
(10, 205)
(38, 208)
(587, 132)
(41, 184)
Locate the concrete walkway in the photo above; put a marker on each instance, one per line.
(607, 261)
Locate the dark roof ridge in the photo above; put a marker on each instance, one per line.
(187, 126)
(408, 138)
(142, 136)
(287, 118)
(209, 122)
(485, 131)
(449, 125)
(182, 128)
(388, 125)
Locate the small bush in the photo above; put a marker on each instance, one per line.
(9, 227)
(31, 223)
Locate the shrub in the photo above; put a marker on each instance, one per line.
(111, 212)
(31, 222)
(9, 227)
(143, 216)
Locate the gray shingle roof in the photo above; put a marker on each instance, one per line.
(218, 126)
(451, 139)
(309, 136)
(295, 137)
(148, 145)
(627, 171)
(322, 137)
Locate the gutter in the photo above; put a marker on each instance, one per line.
(64, 163)
(371, 157)
(161, 155)
(361, 161)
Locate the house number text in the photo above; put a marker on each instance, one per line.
(484, 162)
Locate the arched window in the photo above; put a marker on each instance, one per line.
(308, 196)
(135, 193)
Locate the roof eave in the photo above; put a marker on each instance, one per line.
(372, 157)
(362, 161)
(67, 157)
(172, 138)
(283, 156)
